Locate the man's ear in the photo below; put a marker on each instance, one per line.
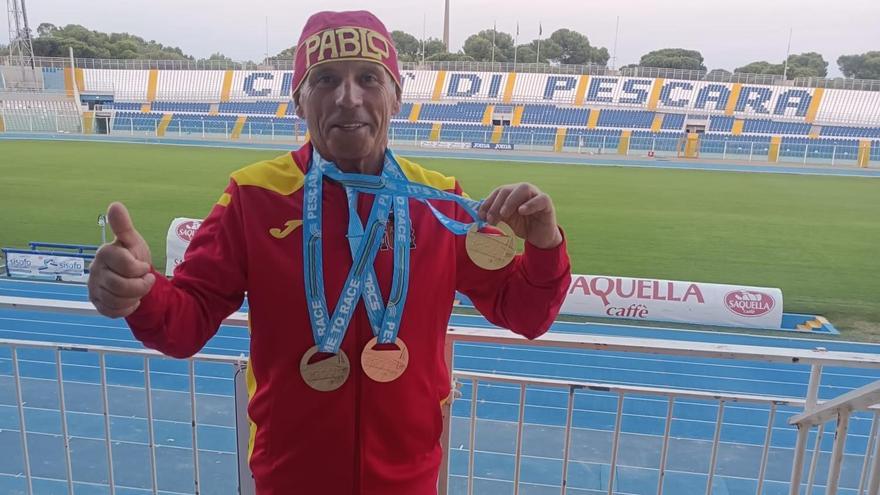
(397, 101)
(299, 109)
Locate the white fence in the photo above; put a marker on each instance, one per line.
(462, 432)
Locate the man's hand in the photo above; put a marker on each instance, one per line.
(528, 211)
(120, 274)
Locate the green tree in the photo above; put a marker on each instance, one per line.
(287, 53)
(479, 46)
(863, 66)
(761, 67)
(575, 47)
(809, 64)
(525, 54)
(434, 46)
(599, 56)
(408, 46)
(54, 41)
(450, 57)
(673, 58)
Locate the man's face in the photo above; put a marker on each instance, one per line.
(348, 107)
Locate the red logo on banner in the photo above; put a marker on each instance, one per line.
(187, 230)
(749, 302)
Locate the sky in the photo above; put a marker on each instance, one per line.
(729, 34)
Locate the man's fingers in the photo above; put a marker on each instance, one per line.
(493, 216)
(537, 204)
(121, 225)
(520, 194)
(126, 288)
(121, 261)
(487, 204)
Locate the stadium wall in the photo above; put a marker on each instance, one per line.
(806, 105)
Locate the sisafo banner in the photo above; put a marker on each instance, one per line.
(45, 266)
(180, 233)
(674, 301)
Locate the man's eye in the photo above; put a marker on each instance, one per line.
(325, 79)
(370, 78)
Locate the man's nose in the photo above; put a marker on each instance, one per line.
(349, 94)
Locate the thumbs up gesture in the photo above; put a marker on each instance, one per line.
(120, 274)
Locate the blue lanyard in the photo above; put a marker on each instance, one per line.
(385, 321)
(329, 331)
(392, 190)
(400, 186)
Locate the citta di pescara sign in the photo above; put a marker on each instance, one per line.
(674, 301)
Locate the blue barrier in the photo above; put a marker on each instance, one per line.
(79, 248)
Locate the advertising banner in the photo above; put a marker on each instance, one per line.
(674, 301)
(180, 233)
(45, 266)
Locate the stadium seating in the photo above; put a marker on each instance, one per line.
(466, 133)
(734, 145)
(536, 136)
(626, 119)
(762, 126)
(168, 106)
(553, 115)
(855, 132)
(249, 108)
(718, 123)
(458, 112)
(673, 122)
(410, 131)
(655, 141)
(592, 138)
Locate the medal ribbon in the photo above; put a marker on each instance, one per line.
(328, 333)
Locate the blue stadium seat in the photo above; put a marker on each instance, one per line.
(466, 133)
(592, 138)
(626, 119)
(554, 115)
(673, 122)
(410, 131)
(763, 126)
(718, 123)
(458, 112)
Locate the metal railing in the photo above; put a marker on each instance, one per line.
(471, 66)
(467, 481)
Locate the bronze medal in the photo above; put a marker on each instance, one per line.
(325, 375)
(384, 365)
(491, 251)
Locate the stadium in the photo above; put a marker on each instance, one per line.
(751, 186)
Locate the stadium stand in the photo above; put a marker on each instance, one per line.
(553, 115)
(542, 110)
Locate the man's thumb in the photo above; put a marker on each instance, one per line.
(120, 224)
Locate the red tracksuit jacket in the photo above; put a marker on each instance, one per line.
(365, 437)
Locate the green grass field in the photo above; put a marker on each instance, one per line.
(815, 237)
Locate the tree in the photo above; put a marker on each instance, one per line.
(599, 56)
(575, 47)
(52, 41)
(434, 46)
(4, 50)
(761, 67)
(525, 54)
(479, 46)
(408, 46)
(864, 66)
(718, 75)
(287, 53)
(673, 58)
(450, 57)
(809, 64)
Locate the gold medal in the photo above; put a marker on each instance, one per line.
(384, 365)
(325, 375)
(491, 251)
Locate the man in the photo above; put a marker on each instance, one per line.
(324, 421)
